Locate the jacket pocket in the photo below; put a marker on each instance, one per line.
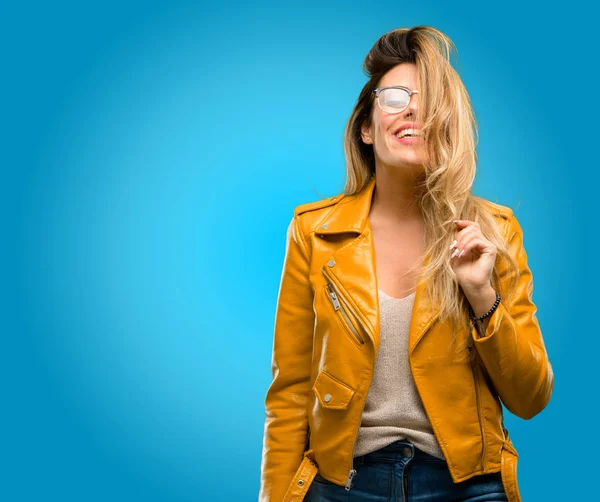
(331, 392)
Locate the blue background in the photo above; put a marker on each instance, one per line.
(152, 154)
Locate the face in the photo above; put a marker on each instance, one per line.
(406, 153)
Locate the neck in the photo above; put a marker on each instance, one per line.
(396, 196)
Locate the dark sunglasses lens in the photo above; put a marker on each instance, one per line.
(393, 100)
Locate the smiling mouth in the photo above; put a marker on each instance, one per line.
(407, 140)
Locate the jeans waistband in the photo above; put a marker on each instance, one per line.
(402, 450)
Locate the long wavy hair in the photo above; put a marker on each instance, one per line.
(450, 132)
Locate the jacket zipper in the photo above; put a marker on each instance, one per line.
(335, 297)
(339, 309)
(477, 397)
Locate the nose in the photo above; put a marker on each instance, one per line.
(411, 109)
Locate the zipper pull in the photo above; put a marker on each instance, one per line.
(334, 298)
(351, 474)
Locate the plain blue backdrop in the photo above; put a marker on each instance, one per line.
(152, 154)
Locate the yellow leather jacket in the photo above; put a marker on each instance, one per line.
(326, 338)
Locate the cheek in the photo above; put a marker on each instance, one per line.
(383, 125)
(379, 120)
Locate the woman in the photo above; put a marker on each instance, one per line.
(405, 314)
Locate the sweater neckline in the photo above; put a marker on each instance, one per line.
(383, 293)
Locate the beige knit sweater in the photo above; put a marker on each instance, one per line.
(393, 409)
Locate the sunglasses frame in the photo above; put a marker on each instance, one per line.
(377, 93)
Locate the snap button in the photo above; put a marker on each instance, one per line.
(331, 263)
(324, 226)
(407, 452)
(327, 398)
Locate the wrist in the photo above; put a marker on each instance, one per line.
(481, 299)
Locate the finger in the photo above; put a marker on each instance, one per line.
(465, 232)
(467, 245)
(464, 223)
(459, 250)
(475, 245)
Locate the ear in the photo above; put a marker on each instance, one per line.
(365, 130)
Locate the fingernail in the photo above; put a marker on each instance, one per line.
(454, 254)
(460, 254)
(453, 244)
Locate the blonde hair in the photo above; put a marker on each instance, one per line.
(450, 132)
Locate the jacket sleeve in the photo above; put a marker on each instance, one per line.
(512, 349)
(286, 424)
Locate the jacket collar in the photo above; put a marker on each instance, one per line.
(351, 215)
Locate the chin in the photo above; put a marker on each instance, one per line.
(410, 161)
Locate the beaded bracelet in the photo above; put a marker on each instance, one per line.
(487, 314)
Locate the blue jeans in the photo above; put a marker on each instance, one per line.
(400, 472)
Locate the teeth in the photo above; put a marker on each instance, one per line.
(406, 132)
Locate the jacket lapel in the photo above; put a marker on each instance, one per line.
(353, 265)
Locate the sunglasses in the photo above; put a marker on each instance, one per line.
(393, 99)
